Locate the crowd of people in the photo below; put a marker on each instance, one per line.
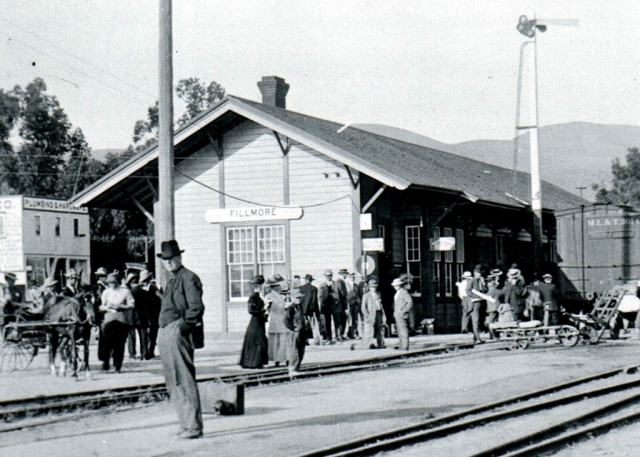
(506, 300)
(338, 309)
(123, 307)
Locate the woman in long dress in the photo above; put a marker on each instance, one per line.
(277, 331)
(255, 347)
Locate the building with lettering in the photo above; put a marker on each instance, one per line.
(41, 237)
(262, 189)
(598, 247)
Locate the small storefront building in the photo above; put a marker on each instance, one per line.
(261, 189)
(42, 237)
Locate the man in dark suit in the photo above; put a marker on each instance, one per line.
(549, 298)
(181, 311)
(329, 296)
(309, 304)
(513, 291)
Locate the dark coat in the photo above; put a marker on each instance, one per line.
(330, 298)
(513, 294)
(548, 294)
(140, 317)
(309, 300)
(255, 347)
(182, 299)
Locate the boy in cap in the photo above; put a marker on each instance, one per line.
(296, 338)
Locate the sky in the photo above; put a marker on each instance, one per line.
(444, 69)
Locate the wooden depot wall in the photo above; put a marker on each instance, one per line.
(255, 169)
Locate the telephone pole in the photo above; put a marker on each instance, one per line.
(165, 220)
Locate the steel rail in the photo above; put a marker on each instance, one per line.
(15, 409)
(446, 425)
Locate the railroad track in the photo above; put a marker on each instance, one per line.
(23, 413)
(573, 411)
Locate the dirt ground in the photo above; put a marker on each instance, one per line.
(301, 416)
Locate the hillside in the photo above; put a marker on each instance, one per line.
(571, 155)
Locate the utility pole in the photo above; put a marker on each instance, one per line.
(529, 27)
(581, 188)
(165, 227)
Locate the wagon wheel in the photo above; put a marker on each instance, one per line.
(568, 337)
(16, 355)
(589, 335)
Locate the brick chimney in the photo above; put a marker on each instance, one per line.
(274, 91)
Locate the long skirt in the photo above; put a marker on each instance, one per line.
(278, 347)
(255, 347)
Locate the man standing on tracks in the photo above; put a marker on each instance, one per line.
(181, 311)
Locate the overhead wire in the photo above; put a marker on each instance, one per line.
(102, 70)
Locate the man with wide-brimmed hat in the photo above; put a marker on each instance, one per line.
(514, 291)
(71, 283)
(402, 305)
(115, 303)
(181, 312)
(331, 295)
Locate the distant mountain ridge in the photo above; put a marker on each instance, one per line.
(572, 155)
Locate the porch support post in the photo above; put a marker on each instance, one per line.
(373, 199)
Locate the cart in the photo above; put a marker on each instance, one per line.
(521, 334)
(593, 325)
(21, 341)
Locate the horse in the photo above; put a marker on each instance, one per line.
(78, 315)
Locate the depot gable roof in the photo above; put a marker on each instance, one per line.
(391, 162)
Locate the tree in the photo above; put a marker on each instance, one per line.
(33, 167)
(625, 184)
(197, 97)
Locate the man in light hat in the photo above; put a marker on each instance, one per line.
(182, 310)
(71, 283)
(462, 286)
(402, 305)
(513, 291)
(331, 306)
(10, 297)
(373, 316)
(296, 337)
(476, 302)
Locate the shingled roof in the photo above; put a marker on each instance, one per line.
(390, 161)
(427, 167)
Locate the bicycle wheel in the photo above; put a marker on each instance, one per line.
(16, 356)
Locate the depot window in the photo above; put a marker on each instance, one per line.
(253, 250)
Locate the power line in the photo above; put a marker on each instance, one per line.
(74, 68)
(103, 71)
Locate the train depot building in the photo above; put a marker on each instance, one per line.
(261, 189)
(41, 237)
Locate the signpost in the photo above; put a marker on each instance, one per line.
(259, 213)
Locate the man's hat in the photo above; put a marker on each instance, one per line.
(495, 272)
(513, 272)
(478, 268)
(467, 274)
(407, 277)
(102, 271)
(11, 276)
(169, 249)
(343, 271)
(273, 280)
(308, 277)
(373, 281)
(257, 280)
(144, 275)
(328, 272)
(130, 276)
(71, 273)
(398, 282)
(547, 275)
(50, 282)
(112, 278)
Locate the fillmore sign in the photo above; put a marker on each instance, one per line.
(260, 213)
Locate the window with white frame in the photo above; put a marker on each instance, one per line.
(459, 253)
(412, 249)
(271, 250)
(437, 261)
(253, 250)
(448, 267)
(240, 261)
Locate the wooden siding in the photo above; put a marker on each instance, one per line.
(199, 239)
(253, 166)
(323, 237)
